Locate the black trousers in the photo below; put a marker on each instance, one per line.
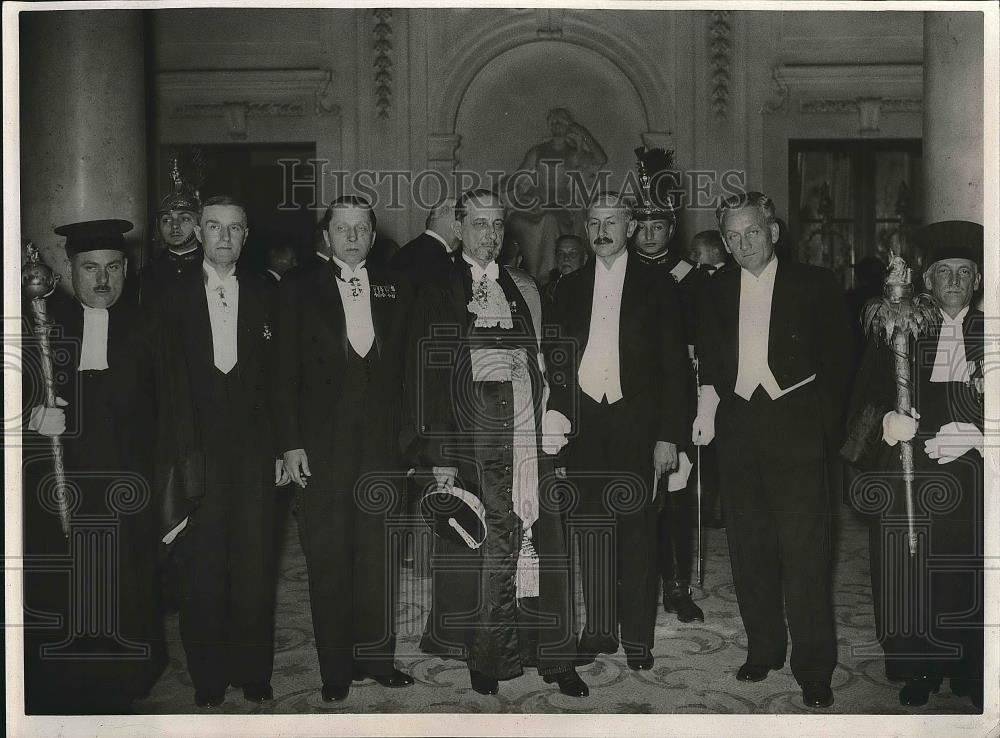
(351, 550)
(225, 557)
(772, 463)
(676, 528)
(611, 465)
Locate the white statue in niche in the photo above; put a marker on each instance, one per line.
(547, 192)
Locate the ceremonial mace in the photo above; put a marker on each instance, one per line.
(37, 282)
(896, 317)
(697, 451)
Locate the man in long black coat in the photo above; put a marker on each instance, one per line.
(103, 371)
(429, 256)
(775, 355)
(337, 390)
(929, 607)
(477, 391)
(622, 386)
(216, 458)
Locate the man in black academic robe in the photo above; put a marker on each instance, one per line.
(476, 389)
(100, 578)
(928, 607)
(622, 386)
(216, 458)
(775, 355)
(337, 398)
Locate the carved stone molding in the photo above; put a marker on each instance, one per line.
(238, 95)
(779, 95)
(868, 109)
(719, 50)
(382, 46)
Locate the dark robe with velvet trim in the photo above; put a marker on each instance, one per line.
(462, 423)
(107, 646)
(928, 608)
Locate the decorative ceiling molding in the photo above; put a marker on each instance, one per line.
(382, 45)
(839, 88)
(868, 109)
(719, 48)
(237, 96)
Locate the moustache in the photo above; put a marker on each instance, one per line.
(601, 240)
(102, 289)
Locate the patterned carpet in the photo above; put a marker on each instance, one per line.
(694, 671)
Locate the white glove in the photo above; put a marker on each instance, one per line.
(703, 429)
(555, 426)
(281, 475)
(954, 440)
(48, 421)
(169, 538)
(897, 427)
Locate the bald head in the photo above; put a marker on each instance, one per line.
(707, 247)
(440, 220)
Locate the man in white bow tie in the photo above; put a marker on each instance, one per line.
(217, 454)
(103, 380)
(477, 398)
(337, 393)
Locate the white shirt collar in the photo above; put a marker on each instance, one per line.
(347, 271)
(439, 237)
(212, 278)
(492, 269)
(322, 256)
(617, 268)
(185, 251)
(957, 320)
(766, 277)
(275, 274)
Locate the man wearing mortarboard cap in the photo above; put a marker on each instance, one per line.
(929, 608)
(104, 382)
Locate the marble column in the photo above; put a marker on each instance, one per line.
(83, 125)
(953, 116)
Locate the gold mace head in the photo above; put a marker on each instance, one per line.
(37, 279)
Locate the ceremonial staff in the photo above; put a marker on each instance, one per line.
(895, 318)
(37, 282)
(697, 451)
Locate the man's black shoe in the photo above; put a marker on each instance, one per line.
(204, 699)
(393, 680)
(482, 683)
(335, 692)
(680, 602)
(569, 683)
(917, 690)
(754, 672)
(641, 664)
(590, 646)
(817, 694)
(257, 692)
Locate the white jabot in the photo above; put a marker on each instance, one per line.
(94, 352)
(355, 294)
(600, 368)
(223, 295)
(950, 362)
(755, 332)
(492, 269)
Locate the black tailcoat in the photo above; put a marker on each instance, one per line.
(773, 457)
(216, 466)
(344, 411)
(610, 455)
(422, 260)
